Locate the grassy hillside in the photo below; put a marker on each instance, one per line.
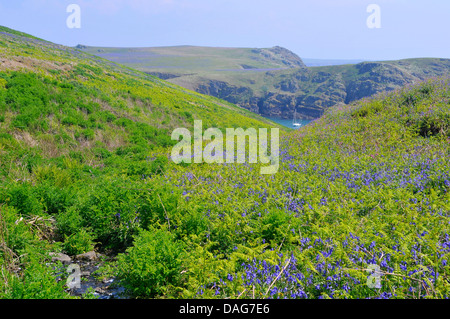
(60, 94)
(68, 121)
(270, 88)
(9, 31)
(367, 184)
(183, 60)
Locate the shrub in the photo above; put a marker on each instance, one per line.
(53, 174)
(159, 164)
(78, 243)
(147, 168)
(69, 120)
(37, 282)
(194, 222)
(152, 265)
(15, 234)
(88, 134)
(124, 122)
(368, 109)
(135, 151)
(101, 152)
(107, 116)
(431, 126)
(138, 168)
(159, 204)
(110, 210)
(68, 222)
(275, 226)
(25, 120)
(164, 140)
(23, 197)
(54, 199)
(187, 114)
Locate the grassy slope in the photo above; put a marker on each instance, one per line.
(368, 183)
(18, 33)
(418, 67)
(69, 119)
(82, 92)
(185, 60)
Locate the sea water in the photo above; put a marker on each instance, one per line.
(289, 122)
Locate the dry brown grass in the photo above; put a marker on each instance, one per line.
(48, 146)
(112, 139)
(18, 63)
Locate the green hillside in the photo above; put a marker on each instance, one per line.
(185, 60)
(59, 94)
(85, 166)
(68, 120)
(9, 31)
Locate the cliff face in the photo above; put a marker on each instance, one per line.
(312, 90)
(377, 77)
(271, 104)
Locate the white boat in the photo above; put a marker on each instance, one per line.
(294, 122)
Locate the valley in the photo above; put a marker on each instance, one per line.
(86, 172)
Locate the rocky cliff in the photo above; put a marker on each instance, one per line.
(311, 90)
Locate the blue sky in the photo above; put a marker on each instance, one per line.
(329, 29)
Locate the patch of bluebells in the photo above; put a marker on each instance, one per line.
(417, 173)
(329, 276)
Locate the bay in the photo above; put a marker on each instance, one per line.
(288, 122)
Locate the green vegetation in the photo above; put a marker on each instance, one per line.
(75, 133)
(84, 163)
(152, 266)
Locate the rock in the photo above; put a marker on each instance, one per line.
(101, 290)
(65, 259)
(89, 256)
